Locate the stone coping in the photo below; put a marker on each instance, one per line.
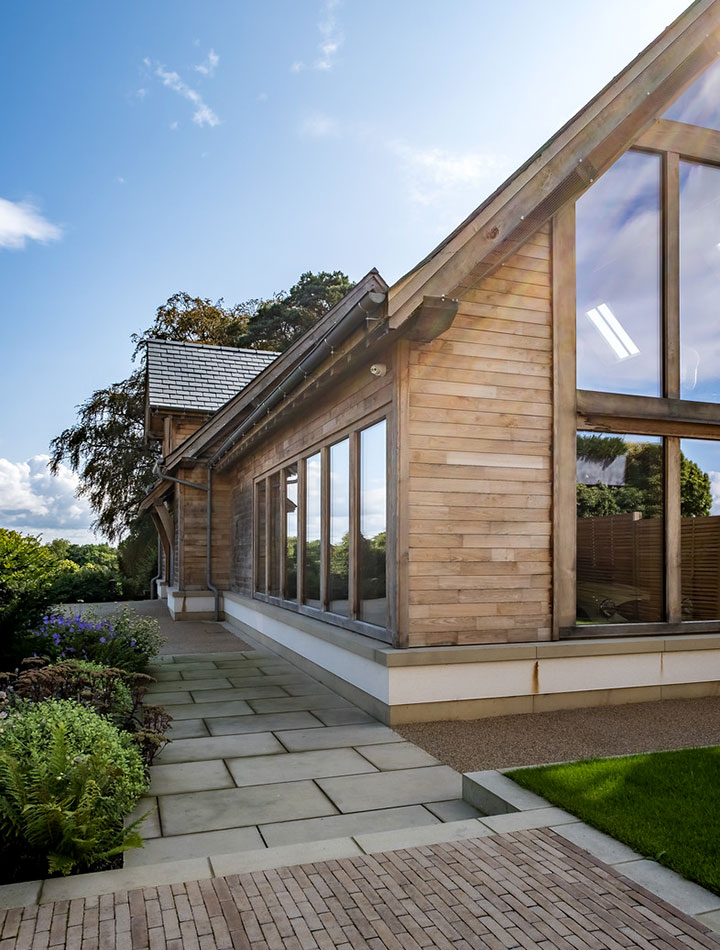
(480, 653)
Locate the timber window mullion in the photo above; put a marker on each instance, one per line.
(301, 518)
(673, 556)
(671, 274)
(354, 539)
(282, 515)
(268, 535)
(324, 526)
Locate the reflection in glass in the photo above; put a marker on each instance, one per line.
(291, 507)
(700, 529)
(700, 103)
(699, 282)
(618, 242)
(275, 552)
(311, 576)
(338, 574)
(261, 509)
(373, 525)
(620, 533)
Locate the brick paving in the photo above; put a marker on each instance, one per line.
(523, 890)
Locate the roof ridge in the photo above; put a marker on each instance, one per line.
(209, 346)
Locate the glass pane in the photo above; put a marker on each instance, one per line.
(275, 535)
(699, 282)
(373, 525)
(700, 529)
(291, 505)
(618, 245)
(338, 575)
(620, 529)
(700, 104)
(260, 540)
(312, 531)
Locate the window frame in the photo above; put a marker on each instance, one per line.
(352, 621)
(667, 416)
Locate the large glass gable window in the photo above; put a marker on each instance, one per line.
(645, 548)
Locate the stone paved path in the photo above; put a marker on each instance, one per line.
(263, 756)
(530, 889)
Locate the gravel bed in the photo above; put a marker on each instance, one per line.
(533, 739)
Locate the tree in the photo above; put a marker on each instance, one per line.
(277, 323)
(106, 444)
(643, 490)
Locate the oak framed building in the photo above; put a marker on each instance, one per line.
(489, 487)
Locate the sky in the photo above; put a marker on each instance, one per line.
(224, 147)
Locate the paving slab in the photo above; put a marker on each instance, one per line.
(291, 703)
(189, 777)
(19, 895)
(240, 692)
(388, 789)
(397, 755)
(338, 826)
(181, 847)
(150, 828)
(234, 707)
(190, 685)
(238, 725)
(337, 737)
(710, 919)
(343, 717)
(261, 679)
(418, 837)
(600, 845)
(236, 807)
(453, 810)
(294, 854)
(204, 673)
(187, 729)
(219, 747)
(209, 657)
(164, 675)
(688, 897)
(532, 818)
(197, 666)
(496, 794)
(311, 688)
(123, 879)
(170, 697)
(294, 766)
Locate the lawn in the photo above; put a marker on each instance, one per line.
(666, 805)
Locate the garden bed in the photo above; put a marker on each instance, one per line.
(666, 805)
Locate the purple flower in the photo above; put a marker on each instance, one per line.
(132, 643)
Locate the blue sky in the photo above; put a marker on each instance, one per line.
(224, 147)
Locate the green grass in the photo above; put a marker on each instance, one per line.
(666, 805)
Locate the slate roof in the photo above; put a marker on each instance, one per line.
(199, 377)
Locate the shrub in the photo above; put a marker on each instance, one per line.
(124, 639)
(68, 778)
(110, 692)
(90, 583)
(27, 575)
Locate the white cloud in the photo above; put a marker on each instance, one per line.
(209, 66)
(715, 491)
(174, 125)
(331, 39)
(141, 93)
(120, 180)
(33, 501)
(203, 114)
(320, 126)
(21, 222)
(432, 173)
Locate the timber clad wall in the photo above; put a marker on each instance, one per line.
(480, 466)
(316, 421)
(191, 521)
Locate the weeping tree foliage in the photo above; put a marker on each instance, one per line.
(105, 446)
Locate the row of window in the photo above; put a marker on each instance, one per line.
(621, 529)
(321, 528)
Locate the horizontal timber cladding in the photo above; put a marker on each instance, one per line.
(177, 428)
(343, 405)
(478, 454)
